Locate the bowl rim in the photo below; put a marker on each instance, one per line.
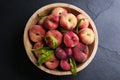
(54, 72)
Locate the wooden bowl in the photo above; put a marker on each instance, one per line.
(46, 9)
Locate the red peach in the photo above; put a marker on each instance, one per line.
(51, 22)
(71, 39)
(80, 52)
(68, 51)
(60, 53)
(65, 65)
(57, 35)
(36, 33)
(59, 11)
(52, 63)
(54, 18)
(84, 21)
(80, 57)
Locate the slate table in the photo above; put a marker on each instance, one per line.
(14, 63)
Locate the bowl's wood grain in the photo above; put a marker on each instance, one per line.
(47, 9)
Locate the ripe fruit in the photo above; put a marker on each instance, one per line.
(52, 63)
(71, 39)
(84, 22)
(68, 21)
(37, 46)
(59, 11)
(61, 38)
(65, 65)
(80, 52)
(68, 51)
(86, 35)
(60, 53)
(36, 33)
(51, 22)
(53, 38)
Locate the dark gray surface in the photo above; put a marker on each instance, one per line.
(14, 63)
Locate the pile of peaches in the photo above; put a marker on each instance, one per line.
(60, 39)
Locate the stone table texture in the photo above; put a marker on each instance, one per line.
(15, 64)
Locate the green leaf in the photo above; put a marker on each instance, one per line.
(46, 56)
(63, 30)
(73, 66)
(54, 41)
(41, 16)
(41, 50)
(78, 23)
